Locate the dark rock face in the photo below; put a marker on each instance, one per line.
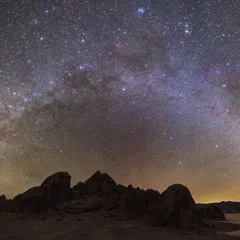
(29, 194)
(2, 198)
(3, 202)
(99, 183)
(55, 188)
(227, 207)
(177, 208)
(6, 206)
(99, 177)
(83, 189)
(59, 180)
(29, 200)
(210, 211)
(214, 212)
(153, 195)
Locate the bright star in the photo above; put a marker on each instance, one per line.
(141, 10)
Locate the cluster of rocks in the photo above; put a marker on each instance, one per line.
(54, 189)
(174, 207)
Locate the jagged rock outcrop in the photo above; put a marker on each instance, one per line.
(98, 183)
(99, 177)
(174, 207)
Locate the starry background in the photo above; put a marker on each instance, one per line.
(148, 91)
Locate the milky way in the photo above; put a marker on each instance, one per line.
(148, 91)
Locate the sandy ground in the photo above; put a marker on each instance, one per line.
(234, 219)
(92, 226)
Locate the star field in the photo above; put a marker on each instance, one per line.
(148, 91)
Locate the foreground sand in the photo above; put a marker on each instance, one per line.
(94, 226)
(234, 219)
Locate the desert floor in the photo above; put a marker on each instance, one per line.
(234, 219)
(95, 226)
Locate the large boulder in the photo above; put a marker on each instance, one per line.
(177, 208)
(214, 212)
(54, 189)
(210, 211)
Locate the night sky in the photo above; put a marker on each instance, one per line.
(148, 91)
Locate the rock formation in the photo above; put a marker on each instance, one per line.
(54, 189)
(99, 177)
(174, 207)
(226, 207)
(2, 198)
(210, 211)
